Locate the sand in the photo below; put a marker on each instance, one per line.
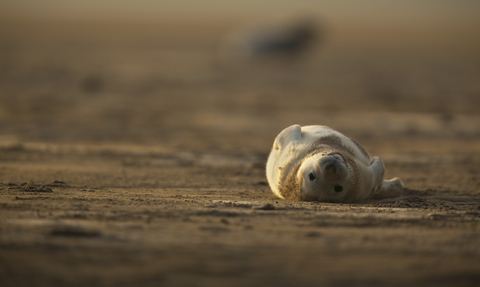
(134, 157)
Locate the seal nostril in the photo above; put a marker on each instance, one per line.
(311, 176)
(338, 188)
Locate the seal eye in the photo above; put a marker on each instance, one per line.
(338, 188)
(311, 176)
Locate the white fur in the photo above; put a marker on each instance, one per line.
(293, 144)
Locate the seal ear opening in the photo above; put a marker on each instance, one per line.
(290, 134)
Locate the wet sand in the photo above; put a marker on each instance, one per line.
(134, 157)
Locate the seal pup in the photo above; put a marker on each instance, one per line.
(317, 163)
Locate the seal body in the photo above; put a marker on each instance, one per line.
(320, 164)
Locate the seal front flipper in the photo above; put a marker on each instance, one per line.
(290, 134)
(384, 188)
(378, 171)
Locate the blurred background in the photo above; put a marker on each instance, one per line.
(229, 75)
(152, 122)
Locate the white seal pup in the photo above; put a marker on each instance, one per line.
(320, 164)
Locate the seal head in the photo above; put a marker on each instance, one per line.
(319, 176)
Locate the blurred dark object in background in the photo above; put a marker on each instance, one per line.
(289, 41)
(92, 84)
(277, 40)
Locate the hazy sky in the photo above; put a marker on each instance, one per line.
(452, 11)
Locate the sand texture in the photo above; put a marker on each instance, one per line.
(134, 156)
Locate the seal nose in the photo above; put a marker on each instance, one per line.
(333, 170)
(333, 167)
